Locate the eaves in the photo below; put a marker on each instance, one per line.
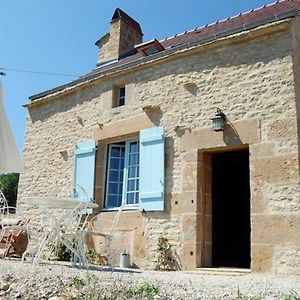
(38, 98)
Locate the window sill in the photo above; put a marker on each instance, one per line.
(127, 207)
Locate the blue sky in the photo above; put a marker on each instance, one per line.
(58, 36)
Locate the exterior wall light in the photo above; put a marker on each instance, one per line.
(218, 121)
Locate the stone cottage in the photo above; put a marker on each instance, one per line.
(137, 131)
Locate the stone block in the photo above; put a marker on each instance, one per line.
(128, 126)
(262, 150)
(107, 99)
(191, 156)
(258, 201)
(139, 251)
(276, 170)
(283, 129)
(287, 260)
(130, 93)
(188, 256)
(261, 258)
(189, 177)
(188, 227)
(129, 220)
(280, 229)
(283, 198)
(185, 202)
(237, 133)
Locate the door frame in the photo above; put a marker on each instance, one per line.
(204, 221)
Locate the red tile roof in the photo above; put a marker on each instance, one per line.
(244, 21)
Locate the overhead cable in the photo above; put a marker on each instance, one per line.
(36, 72)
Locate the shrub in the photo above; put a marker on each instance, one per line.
(166, 260)
(145, 289)
(62, 253)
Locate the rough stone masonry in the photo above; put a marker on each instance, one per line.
(253, 76)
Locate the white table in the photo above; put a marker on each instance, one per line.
(58, 203)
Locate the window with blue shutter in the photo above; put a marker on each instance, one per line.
(122, 174)
(152, 169)
(135, 172)
(84, 170)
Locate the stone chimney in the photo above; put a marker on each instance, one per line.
(124, 34)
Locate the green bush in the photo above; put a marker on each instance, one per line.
(145, 289)
(166, 258)
(9, 186)
(291, 296)
(62, 253)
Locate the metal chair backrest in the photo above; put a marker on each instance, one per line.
(3, 202)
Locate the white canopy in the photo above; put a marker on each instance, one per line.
(10, 161)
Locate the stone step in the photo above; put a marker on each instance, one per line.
(220, 271)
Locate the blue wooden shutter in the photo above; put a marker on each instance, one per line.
(152, 169)
(84, 170)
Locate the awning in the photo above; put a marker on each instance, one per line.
(10, 161)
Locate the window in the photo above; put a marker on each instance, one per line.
(118, 96)
(122, 174)
(149, 47)
(134, 173)
(120, 99)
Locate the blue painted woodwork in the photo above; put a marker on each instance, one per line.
(152, 169)
(84, 170)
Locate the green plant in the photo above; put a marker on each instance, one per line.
(9, 187)
(145, 289)
(62, 253)
(78, 282)
(292, 295)
(85, 290)
(96, 258)
(166, 260)
(243, 297)
(240, 296)
(85, 297)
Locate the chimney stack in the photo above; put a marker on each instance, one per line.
(124, 34)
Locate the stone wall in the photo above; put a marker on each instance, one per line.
(250, 77)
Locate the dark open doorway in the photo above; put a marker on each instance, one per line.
(230, 209)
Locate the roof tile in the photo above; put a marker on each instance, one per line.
(241, 20)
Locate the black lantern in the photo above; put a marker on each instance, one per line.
(218, 121)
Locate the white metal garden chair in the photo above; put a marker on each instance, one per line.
(103, 226)
(63, 225)
(13, 236)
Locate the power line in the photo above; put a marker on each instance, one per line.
(38, 72)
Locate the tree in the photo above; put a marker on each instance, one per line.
(9, 187)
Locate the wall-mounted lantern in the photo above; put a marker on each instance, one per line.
(218, 121)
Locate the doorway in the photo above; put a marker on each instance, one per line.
(230, 200)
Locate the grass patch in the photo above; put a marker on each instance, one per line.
(146, 290)
(292, 295)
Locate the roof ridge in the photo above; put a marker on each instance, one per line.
(280, 10)
(223, 20)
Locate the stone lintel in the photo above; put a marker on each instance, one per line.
(235, 134)
(128, 126)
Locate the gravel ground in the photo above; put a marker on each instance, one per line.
(24, 281)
